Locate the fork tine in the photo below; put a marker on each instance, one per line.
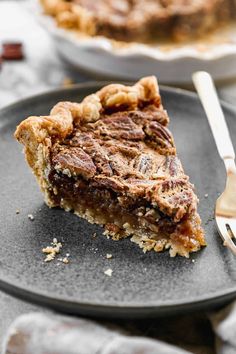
(221, 224)
(232, 224)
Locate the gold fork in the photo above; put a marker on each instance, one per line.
(225, 210)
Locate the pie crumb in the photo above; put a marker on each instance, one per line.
(206, 195)
(49, 257)
(65, 260)
(30, 216)
(109, 256)
(94, 235)
(108, 272)
(193, 260)
(51, 251)
(17, 211)
(106, 233)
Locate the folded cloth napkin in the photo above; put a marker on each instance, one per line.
(38, 333)
(224, 326)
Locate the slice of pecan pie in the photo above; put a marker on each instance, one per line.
(112, 160)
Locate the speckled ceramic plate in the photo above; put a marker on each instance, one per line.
(141, 284)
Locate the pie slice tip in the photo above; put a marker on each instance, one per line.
(112, 160)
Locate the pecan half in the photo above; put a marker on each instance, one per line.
(74, 161)
(149, 113)
(144, 164)
(174, 197)
(120, 126)
(159, 134)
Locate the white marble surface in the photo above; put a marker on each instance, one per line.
(42, 69)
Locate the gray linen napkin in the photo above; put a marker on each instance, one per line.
(224, 326)
(37, 333)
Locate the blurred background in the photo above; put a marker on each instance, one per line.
(54, 57)
(41, 69)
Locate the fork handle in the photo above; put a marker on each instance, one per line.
(208, 96)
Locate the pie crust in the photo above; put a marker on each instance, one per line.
(112, 160)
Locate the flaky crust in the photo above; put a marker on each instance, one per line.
(60, 122)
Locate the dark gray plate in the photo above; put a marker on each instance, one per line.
(141, 284)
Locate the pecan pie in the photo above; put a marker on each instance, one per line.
(141, 20)
(112, 160)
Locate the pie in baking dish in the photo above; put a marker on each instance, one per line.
(141, 20)
(112, 160)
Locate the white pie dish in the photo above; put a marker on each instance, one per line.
(172, 63)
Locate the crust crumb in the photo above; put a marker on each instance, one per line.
(30, 217)
(49, 257)
(52, 251)
(109, 256)
(108, 272)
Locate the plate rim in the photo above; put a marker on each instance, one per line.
(123, 310)
(116, 311)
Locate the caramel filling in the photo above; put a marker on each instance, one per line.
(120, 214)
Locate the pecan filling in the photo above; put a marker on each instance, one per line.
(121, 214)
(111, 207)
(123, 171)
